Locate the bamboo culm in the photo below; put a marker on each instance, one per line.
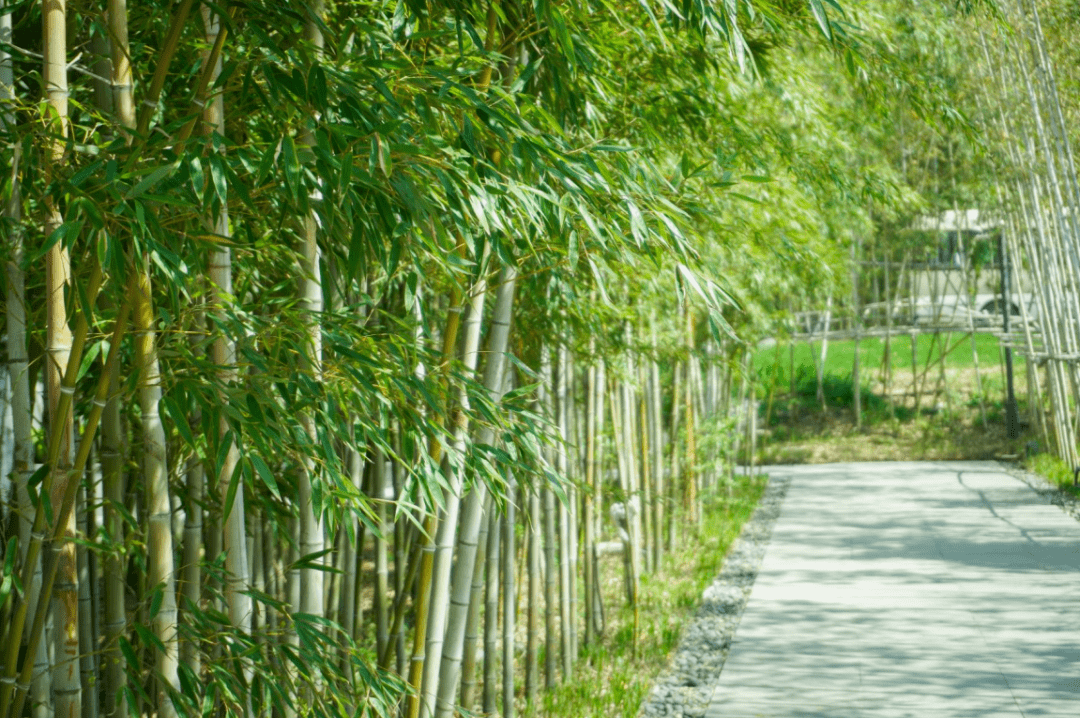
(473, 516)
(491, 618)
(448, 524)
(509, 610)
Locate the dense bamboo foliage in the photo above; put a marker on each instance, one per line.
(344, 338)
(1037, 189)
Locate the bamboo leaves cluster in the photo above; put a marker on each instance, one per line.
(261, 264)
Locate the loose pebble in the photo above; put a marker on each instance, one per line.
(683, 690)
(1068, 503)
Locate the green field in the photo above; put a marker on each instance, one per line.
(958, 390)
(776, 361)
(943, 415)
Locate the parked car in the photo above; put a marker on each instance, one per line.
(952, 310)
(994, 305)
(949, 310)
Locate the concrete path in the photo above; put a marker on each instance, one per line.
(910, 590)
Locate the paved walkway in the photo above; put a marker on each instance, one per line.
(910, 590)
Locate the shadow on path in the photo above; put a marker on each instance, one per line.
(909, 589)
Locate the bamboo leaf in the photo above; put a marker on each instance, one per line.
(88, 359)
(9, 581)
(218, 175)
(85, 173)
(313, 561)
(822, 18)
(32, 485)
(266, 163)
(147, 637)
(57, 235)
(150, 180)
(265, 474)
(178, 419)
(291, 165)
(383, 149)
(157, 595)
(129, 654)
(316, 85)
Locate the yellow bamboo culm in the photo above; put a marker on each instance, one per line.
(66, 684)
(430, 526)
(690, 498)
(160, 565)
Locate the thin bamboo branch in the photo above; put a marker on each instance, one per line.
(161, 70)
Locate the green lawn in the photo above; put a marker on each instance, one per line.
(959, 390)
(950, 415)
(775, 362)
(949, 425)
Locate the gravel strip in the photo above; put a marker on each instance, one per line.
(1068, 503)
(685, 687)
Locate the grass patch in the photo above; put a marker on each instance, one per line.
(839, 394)
(787, 377)
(609, 679)
(775, 363)
(1054, 470)
(958, 415)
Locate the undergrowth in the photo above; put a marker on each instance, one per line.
(838, 392)
(937, 415)
(1054, 470)
(610, 680)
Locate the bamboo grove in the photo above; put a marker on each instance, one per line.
(344, 337)
(1012, 73)
(1035, 184)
